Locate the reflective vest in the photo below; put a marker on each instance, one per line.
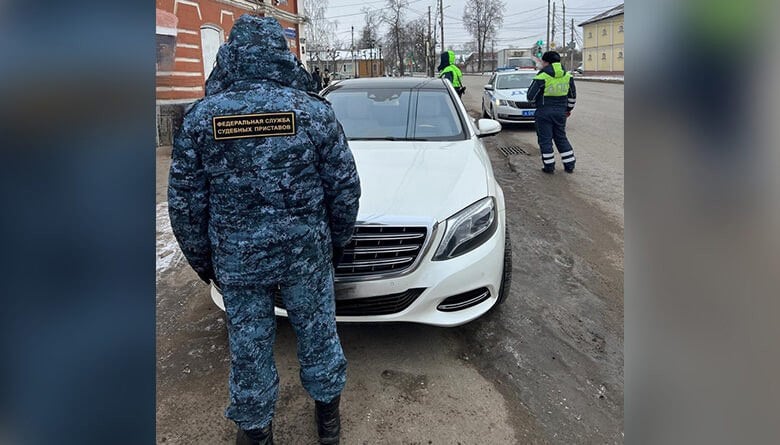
(456, 74)
(555, 86)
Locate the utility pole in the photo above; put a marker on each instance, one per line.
(563, 25)
(441, 9)
(428, 50)
(354, 71)
(553, 24)
(548, 26)
(571, 49)
(492, 55)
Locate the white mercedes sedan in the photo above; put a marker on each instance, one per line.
(431, 244)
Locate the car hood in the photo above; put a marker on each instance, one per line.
(518, 94)
(418, 179)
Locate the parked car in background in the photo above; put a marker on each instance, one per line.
(519, 63)
(516, 58)
(431, 244)
(504, 98)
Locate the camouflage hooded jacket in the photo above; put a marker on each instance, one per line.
(262, 182)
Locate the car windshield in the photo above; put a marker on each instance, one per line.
(514, 81)
(396, 114)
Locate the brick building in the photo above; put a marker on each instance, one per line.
(189, 33)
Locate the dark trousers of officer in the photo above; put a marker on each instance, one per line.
(551, 126)
(251, 323)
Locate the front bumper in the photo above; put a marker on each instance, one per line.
(508, 115)
(480, 268)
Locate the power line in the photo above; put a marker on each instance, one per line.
(357, 4)
(525, 12)
(594, 8)
(362, 12)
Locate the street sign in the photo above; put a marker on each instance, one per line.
(290, 33)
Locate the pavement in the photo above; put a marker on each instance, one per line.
(546, 367)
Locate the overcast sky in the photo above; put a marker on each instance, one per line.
(524, 20)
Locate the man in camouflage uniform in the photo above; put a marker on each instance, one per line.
(263, 190)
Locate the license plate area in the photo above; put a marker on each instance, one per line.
(529, 112)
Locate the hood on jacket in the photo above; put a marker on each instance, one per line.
(257, 50)
(554, 69)
(447, 58)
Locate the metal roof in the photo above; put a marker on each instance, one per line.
(617, 10)
(410, 83)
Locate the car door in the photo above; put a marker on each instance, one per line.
(487, 95)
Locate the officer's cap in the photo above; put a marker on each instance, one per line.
(551, 57)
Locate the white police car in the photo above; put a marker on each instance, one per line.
(505, 98)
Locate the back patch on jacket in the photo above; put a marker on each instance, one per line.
(254, 125)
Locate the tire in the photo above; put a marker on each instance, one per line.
(506, 276)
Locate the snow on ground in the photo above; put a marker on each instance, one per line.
(602, 78)
(168, 252)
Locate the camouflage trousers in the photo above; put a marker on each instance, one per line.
(254, 382)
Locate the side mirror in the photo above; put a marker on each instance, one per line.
(489, 87)
(488, 127)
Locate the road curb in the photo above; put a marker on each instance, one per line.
(585, 79)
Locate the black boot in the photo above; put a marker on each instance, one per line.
(548, 170)
(328, 421)
(263, 436)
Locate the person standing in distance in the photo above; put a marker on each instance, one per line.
(448, 70)
(263, 193)
(554, 93)
(317, 78)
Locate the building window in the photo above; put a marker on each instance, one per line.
(620, 55)
(603, 56)
(211, 38)
(604, 31)
(590, 57)
(620, 28)
(590, 34)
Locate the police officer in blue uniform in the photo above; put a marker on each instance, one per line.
(554, 93)
(263, 193)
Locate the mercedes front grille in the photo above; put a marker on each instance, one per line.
(377, 250)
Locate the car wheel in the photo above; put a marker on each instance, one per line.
(506, 277)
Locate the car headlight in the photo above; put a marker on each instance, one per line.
(468, 229)
(500, 102)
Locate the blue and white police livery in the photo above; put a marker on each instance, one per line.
(504, 98)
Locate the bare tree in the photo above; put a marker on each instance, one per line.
(482, 18)
(394, 17)
(320, 32)
(369, 35)
(415, 34)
